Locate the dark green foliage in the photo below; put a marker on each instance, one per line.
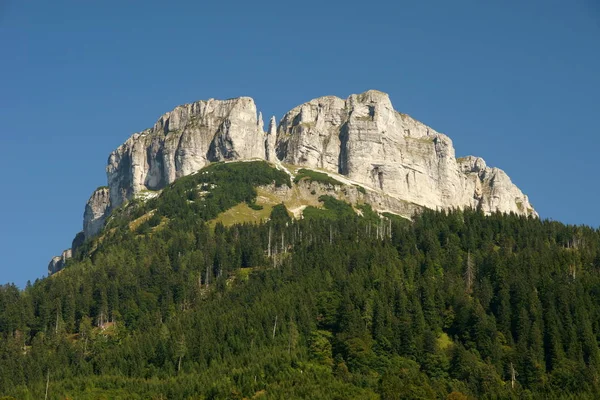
(216, 188)
(314, 176)
(280, 216)
(368, 213)
(255, 206)
(361, 189)
(341, 308)
(334, 209)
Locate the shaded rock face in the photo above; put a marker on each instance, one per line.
(183, 141)
(57, 263)
(77, 242)
(365, 139)
(96, 210)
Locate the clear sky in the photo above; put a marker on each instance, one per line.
(515, 82)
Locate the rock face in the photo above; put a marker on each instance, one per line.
(270, 140)
(57, 263)
(364, 138)
(407, 164)
(77, 242)
(183, 141)
(96, 210)
(310, 134)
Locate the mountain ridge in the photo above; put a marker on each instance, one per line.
(361, 138)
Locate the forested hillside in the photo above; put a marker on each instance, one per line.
(336, 305)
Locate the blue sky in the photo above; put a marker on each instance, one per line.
(515, 82)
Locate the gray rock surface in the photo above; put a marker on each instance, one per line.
(183, 141)
(270, 139)
(365, 139)
(57, 263)
(362, 137)
(96, 210)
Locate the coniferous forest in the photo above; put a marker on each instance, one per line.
(337, 305)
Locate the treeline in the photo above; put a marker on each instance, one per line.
(451, 305)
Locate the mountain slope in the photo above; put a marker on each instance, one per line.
(166, 303)
(362, 138)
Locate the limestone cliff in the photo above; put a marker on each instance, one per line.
(362, 138)
(183, 141)
(96, 210)
(270, 141)
(57, 263)
(365, 139)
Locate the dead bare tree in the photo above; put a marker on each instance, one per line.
(206, 277)
(47, 384)
(56, 326)
(269, 246)
(469, 274)
(573, 271)
(513, 376)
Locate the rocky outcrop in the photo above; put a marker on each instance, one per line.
(183, 141)
(493, 189)
(77, 242)
(365, 139)
(96, 210)
(270, 140)
(57, 263)
(307, 192)
(310, 134)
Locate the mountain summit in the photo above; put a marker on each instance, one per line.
(362, 139)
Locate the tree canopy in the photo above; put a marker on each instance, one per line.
(336, 305)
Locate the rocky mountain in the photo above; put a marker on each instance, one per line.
(183, 141)
(362, 139)
(365, 139)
